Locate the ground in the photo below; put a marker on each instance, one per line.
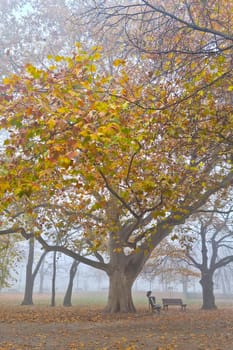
(81, 327)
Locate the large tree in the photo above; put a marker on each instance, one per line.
(107, 150)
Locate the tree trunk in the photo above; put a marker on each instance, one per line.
(54, 279)
(68, 295)
(123, 271)
(208, 291)
(120, 293)
(42, 274)
(30, 275)
(29, 283)
(185, 286)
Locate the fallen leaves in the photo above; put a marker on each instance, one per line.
(43, 327)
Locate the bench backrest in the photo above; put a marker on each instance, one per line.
(172, 301)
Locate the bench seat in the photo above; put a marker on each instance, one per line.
(173, 302)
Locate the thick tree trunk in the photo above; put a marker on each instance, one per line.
(208, 291)
(68, 295)
(120, 293)
(123, 271)
(29, 283)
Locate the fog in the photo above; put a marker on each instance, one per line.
(87, 278)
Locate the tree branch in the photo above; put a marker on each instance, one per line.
(115, 194)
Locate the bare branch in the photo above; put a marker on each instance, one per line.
(115, 194)
(191, 25)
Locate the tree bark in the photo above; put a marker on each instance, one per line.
(29, 283)
(120, 293)
(208, 291)
(68, 295)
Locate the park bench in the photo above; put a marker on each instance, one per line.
(173, 302)
(152, 304)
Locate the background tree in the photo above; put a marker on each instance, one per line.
(30, 273)
(33, 29)
(68, 294)
(11, 252)
(168, 261)
(222, 280)
(215, 238)
(9, 257)
(210, 245)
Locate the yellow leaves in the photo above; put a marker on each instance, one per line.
(148, 185)
(33, 71)
(108, 130)
(5, 185)
(96, 243)
(118, 62)
(101, 106)
(57, 148)
(64, 161)
(51, 123)
(58, 58)
(26, 189)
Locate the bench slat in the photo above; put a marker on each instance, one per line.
(173, 301)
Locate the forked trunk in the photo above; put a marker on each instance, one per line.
(208, 292)
(120, 293)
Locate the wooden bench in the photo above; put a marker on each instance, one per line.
(152, 304)
(173, 302)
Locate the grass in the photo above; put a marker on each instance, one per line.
(99, 299)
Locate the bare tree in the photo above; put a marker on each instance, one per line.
(212, 250)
